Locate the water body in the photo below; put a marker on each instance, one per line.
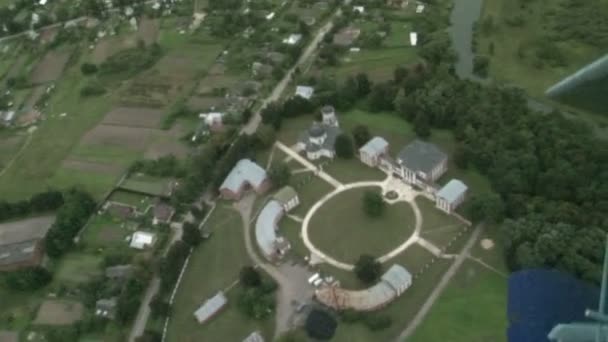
(464, 15)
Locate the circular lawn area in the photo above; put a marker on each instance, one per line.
(342, 230)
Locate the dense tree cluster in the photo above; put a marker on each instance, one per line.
(167, 166)
(373, 203)
(171, 265)
(279, 175)
(257, 302)
(28, 279)
(367, 269)
(344, 146)
(71, 217)
(129, 299)
(40, 203)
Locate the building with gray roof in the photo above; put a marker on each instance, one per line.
(372, 152)
(266, 225)
(119, 272)
(106, 308)
(451, 195)
(319, 141)
(21, 242)
(210, 307)
(245, 174)
(421, 163)
(392, 284)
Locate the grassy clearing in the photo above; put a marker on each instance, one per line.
(129, 198)
(214, 266)
(352, 170)
(106, 232)
(377, 64)
(341, 229)
(78, 267)
(291, 230)
(438, 227)
(476, 288)
(146, 184)
(97, 184)
(292, 128)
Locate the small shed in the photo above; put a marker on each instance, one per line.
(305, 92)
(119, 272)
(210, 307)
(287, 197)
(106, 308)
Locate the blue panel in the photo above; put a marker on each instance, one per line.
(540, 299)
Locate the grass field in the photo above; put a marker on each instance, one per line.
(437, 227)
(472, 309)
(129, 198)
(214, 266)
(341, 229)
(106, 232)
(352, 170)
(78, 268)
(310, 189)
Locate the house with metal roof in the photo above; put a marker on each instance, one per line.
(421, 163)
(271, 245)
(210, 307)
(142, 240)
(106, 308)
(21, 242)
(304, 92)
(372, 152)
(287, 197)
(254, 337)
(119, 272)
(392, 284)
(245, 175)
(451, 195)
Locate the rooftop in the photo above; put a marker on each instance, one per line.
(452, 191)
(265, 227)
(25, 230)
(18, 252)
(210, 307)
(141, 239)
(254, 337)
(305, 92)
(374, 147)
(317, 130)
(245, 171)
(421, 156)
(285, 195)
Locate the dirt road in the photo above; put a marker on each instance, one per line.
(445, 280)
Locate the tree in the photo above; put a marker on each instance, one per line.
(256, 303)
(382, 97)
(422, 126)
(361, 135)
(28, 279)
(191, 235)
(265, 136)
(320, 325)
(367, 269)
(159, 307)
(364, 85)
(250, 277)
(279, 175)
(488, 207)
(373, 204)
(88, 68)
(344, 146)
(150, 336)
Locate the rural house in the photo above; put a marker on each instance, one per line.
(305, 92)
(162, 213)
(328, 116)
(346, 36)
(245, 175)
(421, 163)
(293, 39)
(119, 272)
(372, 152)
(451, 195)
(106, 308)
(142, 240)
(210, 307)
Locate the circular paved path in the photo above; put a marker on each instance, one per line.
(316, 253)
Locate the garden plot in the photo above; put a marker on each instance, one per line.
(59, 312)
(51, 67)
(148, 30)
(167, 143)
(153, 186)
(91, 166)
(130, 138)
(112, 45)
(134, 117)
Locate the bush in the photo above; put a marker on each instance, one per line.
(28, 279)
(344, 146)
(373, 203)
(377, 322)
(250, 277)
(92, 89)
(88, 68)
(351, 316)
(367, 269)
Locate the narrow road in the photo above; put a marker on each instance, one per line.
(256, 119)
(445, 280)
(286, 293)
(321, 174)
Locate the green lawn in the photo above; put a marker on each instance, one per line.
(291, 229)
(35, 169)
(107, 232)
(341, 229)
(352, 170)
(214, 266)
(378, 64)
(77, 267)
(141, 202)
(438, 227)
(471, 309)
(146, 184)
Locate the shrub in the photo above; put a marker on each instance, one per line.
(88, 68)
(377, 322)
(367, 269)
